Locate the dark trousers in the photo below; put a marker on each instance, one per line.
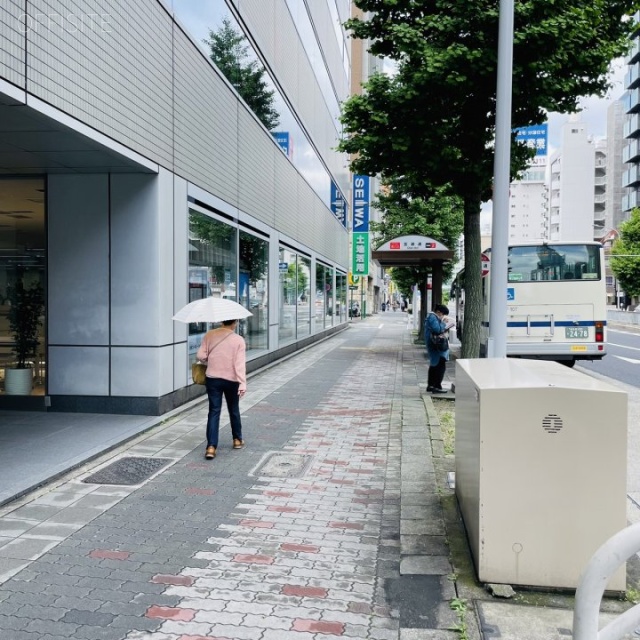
(436, 374)
(216, 388)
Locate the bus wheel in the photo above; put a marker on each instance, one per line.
(568, 363)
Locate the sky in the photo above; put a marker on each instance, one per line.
(593, 114)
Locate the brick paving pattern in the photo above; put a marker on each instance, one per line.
(220, 550)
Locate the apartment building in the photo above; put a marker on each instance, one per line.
(136, 176)
(631, 150)
(572, 188)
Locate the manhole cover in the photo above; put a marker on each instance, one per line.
(284, 465)
(128, 471)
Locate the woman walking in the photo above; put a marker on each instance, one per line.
(224, 352)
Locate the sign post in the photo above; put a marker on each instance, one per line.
(485, 265)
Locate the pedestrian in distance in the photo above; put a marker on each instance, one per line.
(436, 324)
(223, 351)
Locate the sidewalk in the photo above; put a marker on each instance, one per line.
(335, 521)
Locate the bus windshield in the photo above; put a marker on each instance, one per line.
(543, 262)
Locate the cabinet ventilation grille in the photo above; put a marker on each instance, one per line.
(552, 423)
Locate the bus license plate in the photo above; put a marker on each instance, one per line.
(576, 332)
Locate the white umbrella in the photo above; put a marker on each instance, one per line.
(211, 310)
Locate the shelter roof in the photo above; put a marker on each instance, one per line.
(411, 251)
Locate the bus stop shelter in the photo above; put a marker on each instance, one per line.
(416, 251)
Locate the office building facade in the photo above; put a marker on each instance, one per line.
(136, 176)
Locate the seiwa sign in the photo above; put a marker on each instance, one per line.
(360, 203)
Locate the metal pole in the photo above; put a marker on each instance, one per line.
(593, 581)
(497, 346)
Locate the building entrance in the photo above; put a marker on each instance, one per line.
(22, 289)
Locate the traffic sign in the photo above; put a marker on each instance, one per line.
(485, 264)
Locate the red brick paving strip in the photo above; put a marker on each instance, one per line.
(318, 626)
(304, 592)
(170, 613)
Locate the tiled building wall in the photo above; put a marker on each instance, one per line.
(127, 70)
(12, 34)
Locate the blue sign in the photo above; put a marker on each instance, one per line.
(511, 294)
(338, 204)
(360, 203)
(283, 266)
(284, 140)
(534, 137)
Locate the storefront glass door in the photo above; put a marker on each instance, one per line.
(22, 286)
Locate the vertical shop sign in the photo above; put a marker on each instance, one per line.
(338, 204)
(360, 253)
(360, 203)
(360, 234)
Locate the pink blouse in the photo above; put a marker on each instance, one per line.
(224, 352)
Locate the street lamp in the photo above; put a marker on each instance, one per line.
(497, 345)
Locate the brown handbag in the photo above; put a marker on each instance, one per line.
(199, 373)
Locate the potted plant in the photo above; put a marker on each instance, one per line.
(25, 311)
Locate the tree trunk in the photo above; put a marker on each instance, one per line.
(472, 279)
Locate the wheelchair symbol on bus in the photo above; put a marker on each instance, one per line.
(511, 294)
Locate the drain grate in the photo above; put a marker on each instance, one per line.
(284, 465)
(128, 471)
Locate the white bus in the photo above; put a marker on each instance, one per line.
(556, 302)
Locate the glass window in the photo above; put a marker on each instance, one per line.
(320, 303)
(341, 295)
(303, 297)
(553, 262)
(288, 293)
(254, 289)
(212, 267)
(328, 289)
(22, 286)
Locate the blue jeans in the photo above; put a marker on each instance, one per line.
(216, 388)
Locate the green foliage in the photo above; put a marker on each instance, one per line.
(231, 55)
(25, 311)
(438, 216)
(626, 266)
(433, 123)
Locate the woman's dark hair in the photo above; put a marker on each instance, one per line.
(442, 308)
(226, 323)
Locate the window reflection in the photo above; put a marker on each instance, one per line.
(341, 295)
(303, 274)
(200, 18)
(328, 292)
(288, 293)
(254, 289)
(320, 302)
(212, 267)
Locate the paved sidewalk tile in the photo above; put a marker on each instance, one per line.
(297, 536)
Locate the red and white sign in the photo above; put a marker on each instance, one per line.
(485, 264)
(394, 245)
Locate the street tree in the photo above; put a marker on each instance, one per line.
(433, 121)
(625, 255)
(439, 216)
(229, 50)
